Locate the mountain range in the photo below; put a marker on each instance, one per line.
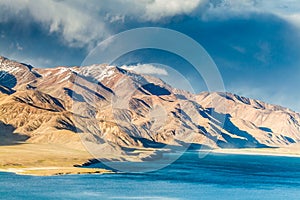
(113, 113)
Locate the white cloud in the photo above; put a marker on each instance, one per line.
(150, 10)
(157, 9)
(77, 25)
(145, 69)
(293, 18)
(166, 73)
(286, 9)
(239, 49)
(227, 8)
(85, 24)
(82, 23)
(19, 47)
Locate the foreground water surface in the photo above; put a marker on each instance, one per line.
(216, 176)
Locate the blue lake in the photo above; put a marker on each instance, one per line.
(217, 176)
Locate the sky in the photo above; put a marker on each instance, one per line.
(254, 43)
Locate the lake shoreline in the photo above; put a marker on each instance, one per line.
(282, 152)
(55, 171)
(53, 160)
(214, 177)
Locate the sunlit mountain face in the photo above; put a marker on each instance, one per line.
(128, 110)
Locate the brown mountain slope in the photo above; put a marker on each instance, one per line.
(117, 110)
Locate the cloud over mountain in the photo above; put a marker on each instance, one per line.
(82, 24)
(145, 69)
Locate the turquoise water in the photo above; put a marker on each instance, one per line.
(214, 177)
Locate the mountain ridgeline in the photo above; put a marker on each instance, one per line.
(125, 110)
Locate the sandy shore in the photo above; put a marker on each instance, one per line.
(54, 171)
(45, 160)
(288, 152)
(55, 159)
(52, 159)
